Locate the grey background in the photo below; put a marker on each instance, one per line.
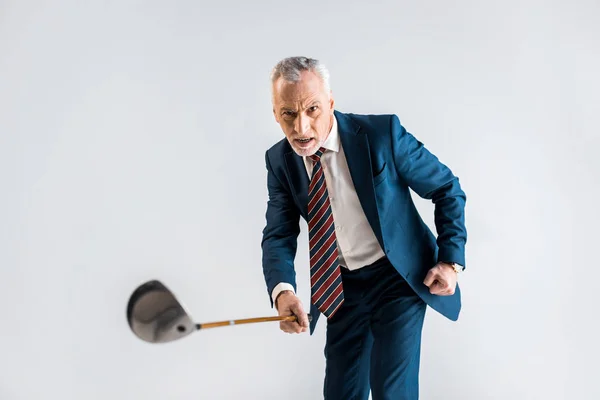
(132, 139)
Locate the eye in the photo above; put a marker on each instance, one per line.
(313, 108)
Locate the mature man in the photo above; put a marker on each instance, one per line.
(374, 263)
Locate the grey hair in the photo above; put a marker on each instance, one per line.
(290, 69)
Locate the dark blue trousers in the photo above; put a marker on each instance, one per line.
(374, 340)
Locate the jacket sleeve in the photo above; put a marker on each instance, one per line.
(279, 240)
(432, 180)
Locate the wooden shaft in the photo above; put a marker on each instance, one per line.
(245, 321)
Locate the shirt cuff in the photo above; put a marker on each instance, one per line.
(280, 288)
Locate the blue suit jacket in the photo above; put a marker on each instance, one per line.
(384, 161)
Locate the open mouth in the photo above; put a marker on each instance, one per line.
(304, 141)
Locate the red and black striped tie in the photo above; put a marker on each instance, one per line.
(325, 276)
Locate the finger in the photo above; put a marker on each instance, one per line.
(437, 288)
(284, 327)
(434, 289)
(450, 291)
(290, 327)
(442, 288)
(430, 278)
(442, 282)
(302, 319)
(298, 311)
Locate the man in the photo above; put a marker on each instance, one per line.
(374, 263)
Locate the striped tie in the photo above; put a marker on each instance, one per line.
(325, 276)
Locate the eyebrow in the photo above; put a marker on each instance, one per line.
(293, 109)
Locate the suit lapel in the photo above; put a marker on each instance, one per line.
(356, 148)
(298, 179)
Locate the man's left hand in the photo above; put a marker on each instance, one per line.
(441, 279)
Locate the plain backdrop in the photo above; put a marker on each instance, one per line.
(132, 140)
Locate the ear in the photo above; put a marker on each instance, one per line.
(331, 102)
(275, 116)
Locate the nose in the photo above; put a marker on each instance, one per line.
(302, 124)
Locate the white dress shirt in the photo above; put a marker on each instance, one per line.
(356, 242)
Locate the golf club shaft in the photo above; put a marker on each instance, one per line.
(290, 318)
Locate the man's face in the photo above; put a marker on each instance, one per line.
(304, 110)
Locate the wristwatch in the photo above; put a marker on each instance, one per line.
(457, 267)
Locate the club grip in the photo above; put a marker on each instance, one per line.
(294, 318)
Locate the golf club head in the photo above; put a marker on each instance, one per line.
(155, 315)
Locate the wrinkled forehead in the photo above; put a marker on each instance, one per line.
(307, 90)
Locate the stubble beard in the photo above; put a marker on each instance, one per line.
(307, 152)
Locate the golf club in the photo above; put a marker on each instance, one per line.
(155, 315)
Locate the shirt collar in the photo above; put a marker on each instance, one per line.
(333, 139)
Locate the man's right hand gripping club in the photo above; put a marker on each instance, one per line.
(287, 303)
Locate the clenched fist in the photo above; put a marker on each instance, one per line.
(441, 279)
(287, 303)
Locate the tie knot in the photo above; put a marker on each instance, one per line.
(317, 156)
